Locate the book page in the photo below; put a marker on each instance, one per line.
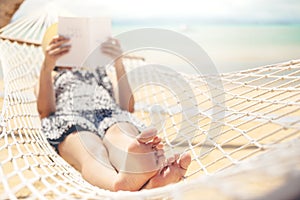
(99, 32)
(77, 30)
(86, 35)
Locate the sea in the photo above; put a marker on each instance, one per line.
(230, 47)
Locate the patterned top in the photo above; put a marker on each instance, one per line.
(84, 98)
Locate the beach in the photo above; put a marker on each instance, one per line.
(243, 134)
(233, 145)
(232, 48)
(2, 93)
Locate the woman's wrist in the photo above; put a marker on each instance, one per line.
(47, 68)
(119, 65)
(119, 62)
(120, 69)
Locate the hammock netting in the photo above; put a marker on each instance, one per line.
(254, 155)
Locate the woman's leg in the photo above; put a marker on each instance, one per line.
(85, 152)
(137, 157)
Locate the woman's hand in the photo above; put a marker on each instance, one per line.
(112, 48)
(56, 48)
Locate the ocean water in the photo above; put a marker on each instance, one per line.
(230, 47)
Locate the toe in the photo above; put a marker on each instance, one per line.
(160, 152)
(185, 160)
(171, 160)
(147, 135)
(176, 156)
(160, 161)
(159, 146)
(156, 141)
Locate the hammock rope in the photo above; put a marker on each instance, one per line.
(256, 141)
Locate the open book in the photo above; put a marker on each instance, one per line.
(86, 35)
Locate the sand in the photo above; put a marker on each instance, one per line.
(233, 146)
(1, 93)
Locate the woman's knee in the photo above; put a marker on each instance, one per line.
(82, 147)
(69, 151)
(77, 146)
(123, 128)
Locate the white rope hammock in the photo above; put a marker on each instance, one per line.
(255, 156)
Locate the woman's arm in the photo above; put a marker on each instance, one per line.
(46, 93)
(126, 98)
(113, 49)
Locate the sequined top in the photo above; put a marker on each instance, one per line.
(84, 98)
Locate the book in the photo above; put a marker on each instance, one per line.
(86, 35)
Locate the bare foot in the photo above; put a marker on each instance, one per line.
(173, 172)
(144, 157)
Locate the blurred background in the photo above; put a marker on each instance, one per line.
(236, 35)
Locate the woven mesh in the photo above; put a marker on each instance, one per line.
(257, 141)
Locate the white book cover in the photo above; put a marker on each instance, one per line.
(86, 35)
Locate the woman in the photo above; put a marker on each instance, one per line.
(94, 134)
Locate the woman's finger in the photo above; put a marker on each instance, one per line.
(113, 41)
(58, 38)
(110, 45)
(57, 51)
(111, 53)
(62, 53)
(111, 49)
(57, 45)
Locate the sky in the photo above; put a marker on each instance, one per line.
(264, 11)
